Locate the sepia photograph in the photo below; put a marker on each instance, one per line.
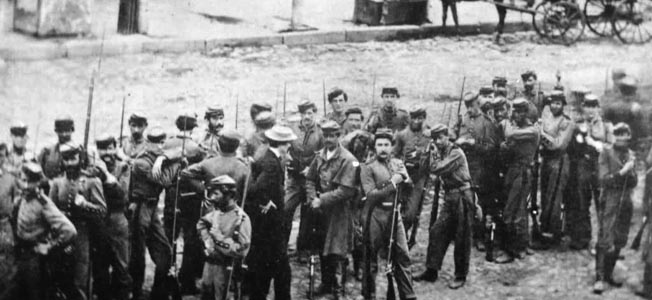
(318, 150)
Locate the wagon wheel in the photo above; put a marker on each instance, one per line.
(565, 22)
(598, 14)
(539, 15)
(632, 22)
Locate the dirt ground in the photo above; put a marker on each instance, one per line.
(427, 72)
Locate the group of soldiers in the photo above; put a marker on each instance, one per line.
(514, 173)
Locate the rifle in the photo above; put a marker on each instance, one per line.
(323, 92)
(230, 268)
(236, 112)
(171, 277)
(285, 94)
(415, 227)
(389, 269)
(122, 119)
(459, 108)
(312, 260)
(491, 238)
(534, 207)
(639, 234)
(373, 93)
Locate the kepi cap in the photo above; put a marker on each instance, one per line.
(437, 130)
(306, 105)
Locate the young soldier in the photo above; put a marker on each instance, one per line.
(303, 151)
(337, 98)
(412, 146)
(454, 222)
(50, 157)
(389, 116)
(380, 180)
(226, 235)
(353, 121)
(590, 136)
(215, 118)
(477, 137)
(146, 226)
(81, 199)
(518, 149)
(268, 257)
(618, 179)
(331, 184)
(112, 243)
(556, 133)
(40, 229)
(134, 145)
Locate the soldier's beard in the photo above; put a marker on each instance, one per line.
(109, 159)
(416, 127)
(72, 171)
(382, 155)
(137, 135)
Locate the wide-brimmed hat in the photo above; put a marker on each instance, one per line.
(280, 134)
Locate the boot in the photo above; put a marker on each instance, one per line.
(457, 283)
(429, 275)
(610, 264)
(598, 287)
(504, 258)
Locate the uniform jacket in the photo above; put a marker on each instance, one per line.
(224, 164)
(610, 162)
(481, 154)
(116, 194)
(597, 129)
(627, 109)
(375, 176)
(208, 142)
(254, 145)
(304, 148)
(521, 143)
(536, 104)
(414, 148)
(451, 166)
(38, 220)
(132, 147)
(50, 161)
(396, 121)
(339, 118)
(143, 184)
(92, 209)
(225, 234)
(557, 133)
(336, 181)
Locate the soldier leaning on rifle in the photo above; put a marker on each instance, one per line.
(214, 117)
(454, 222)
(590, 136)
(111, 256)
(146, 226)
(331, 185)
(389, 116)
(337, 98)
(618, 179)
(518, 150)
(380, 179)
(226, 234)
(255, 144)
(310, 140)
(41, 228)
(135, 144)
(184, 204)
(411, 145)
(556, 133)
(50, 157)
(268, 257)
(478, 139)
(81, 199)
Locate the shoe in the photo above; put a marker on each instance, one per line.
(598, 287)
(529, 251)
(429, 275)
(504, 259)
(456, 284)
(614, 283)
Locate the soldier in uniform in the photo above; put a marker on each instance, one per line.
(112, 242)
(268, 257)
(353, 121)
(255, 143)
(534, 97)
(412, 146)
(18, 151)
(182, 207)
(381, 178)
(556, 133)
(477, 137)
(225, 233)
(50, 157)
(455, 220)
(135, 144)
(215, 118)
(626, 108)
(389, 116)
(146, 226)
(337, 98)
(40, 228)
(81, 199)
(591, 134)
(618, 179)
(518, 149)
(331, 184)
(310, 140)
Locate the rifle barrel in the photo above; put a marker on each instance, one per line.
(122, 119)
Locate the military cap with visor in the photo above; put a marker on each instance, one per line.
(520, 104)
(306, 105)
(32, 171)
(213, 111)
(156, 135)
(486, 90)
(64, 123)
(104, 141)
(229, 140)
(437, 130)
(138, 119)
(469, 97)
(557, 96)
(384, 133)
(18, 129)
(417, 112)
(353, 110)
(591, 100)
(186, 121)
(390, 91)
(330, 126)
(527, 74)
(69, 150)
(622, 129)
(220, 181)
(499, 81)
(628, 85)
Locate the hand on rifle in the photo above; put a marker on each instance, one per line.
(593, 143)
(267, 207)
(628, 167)
(315, 203)
(305, 172)
(397, 178)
